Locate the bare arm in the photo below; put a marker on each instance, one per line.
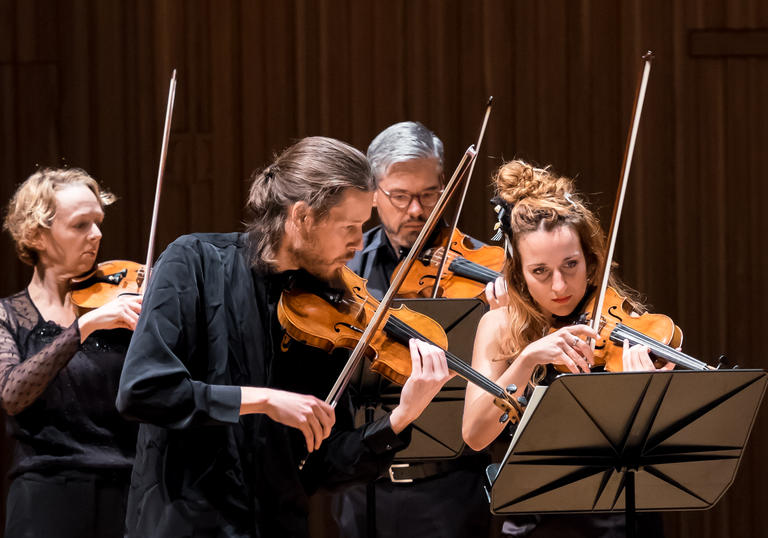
(481, 423)
(564, 346)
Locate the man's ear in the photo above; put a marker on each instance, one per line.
(299, 217)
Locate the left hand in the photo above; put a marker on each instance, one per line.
(429, 372)
(496, 293)
(637, 359)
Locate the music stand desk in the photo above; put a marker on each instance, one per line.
(647, 441)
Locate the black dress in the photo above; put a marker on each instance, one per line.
(73, 451)
(208, 327)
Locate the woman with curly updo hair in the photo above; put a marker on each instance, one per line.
(555, 250)
(59, 368)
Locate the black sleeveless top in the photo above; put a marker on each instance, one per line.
(60, 394)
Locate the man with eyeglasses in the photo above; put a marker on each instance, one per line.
(442, 498)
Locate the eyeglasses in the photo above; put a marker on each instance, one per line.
(402, 199)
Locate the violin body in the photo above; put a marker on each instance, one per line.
(106, 282)
(305, 317)
(656, 331)
(466, 273)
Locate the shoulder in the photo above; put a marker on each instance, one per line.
(491, 327)
(199, 241)
(203, 245)
(17, 307)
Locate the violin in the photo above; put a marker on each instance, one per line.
(466, 274)
(332, 318)
(107, 281)
(617, 323)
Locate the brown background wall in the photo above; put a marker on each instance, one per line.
(84, 83)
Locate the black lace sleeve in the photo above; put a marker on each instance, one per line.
(23, 380)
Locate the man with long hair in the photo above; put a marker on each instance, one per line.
(229, 404)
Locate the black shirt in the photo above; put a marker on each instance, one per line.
(208, 327)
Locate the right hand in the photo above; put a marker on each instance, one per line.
(564, 346)
(120, 313)
(312, 416)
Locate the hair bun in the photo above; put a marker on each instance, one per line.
(517, 180)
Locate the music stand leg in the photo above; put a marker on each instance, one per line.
(630, 520)
(370, 490)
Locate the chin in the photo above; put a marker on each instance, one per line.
(327, 273)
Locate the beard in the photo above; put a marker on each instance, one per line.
(311, 260)
(406, 237)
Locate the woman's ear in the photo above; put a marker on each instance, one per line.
(37, 242)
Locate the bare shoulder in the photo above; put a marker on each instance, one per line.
(490, 330)
(492, 321)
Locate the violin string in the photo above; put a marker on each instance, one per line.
(404, 332)
(458, 365)
(678, 357)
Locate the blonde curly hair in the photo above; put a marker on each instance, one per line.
(33, 205)
(539, 199)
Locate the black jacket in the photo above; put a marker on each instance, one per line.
(208, 326)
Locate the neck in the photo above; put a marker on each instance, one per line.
(285, 259)
(395, 244)
(49, 286)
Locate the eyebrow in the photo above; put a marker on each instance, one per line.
(437, 188)
(85, 213)
(543, 264)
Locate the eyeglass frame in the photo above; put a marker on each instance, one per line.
(412, 196)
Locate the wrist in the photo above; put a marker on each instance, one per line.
(254, 400)
(525, 360)
(86, 325)
(399, 419)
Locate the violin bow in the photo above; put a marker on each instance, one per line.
(159, 186)
(358, 352)
(623, 180)
(441, 266)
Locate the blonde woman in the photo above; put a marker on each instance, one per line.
(59, 368)
(555, 251)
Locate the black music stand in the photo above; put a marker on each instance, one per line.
(647, 441)
(436, 434)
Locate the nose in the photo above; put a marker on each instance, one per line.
(558, 283)
(95, 232)
(414, 208)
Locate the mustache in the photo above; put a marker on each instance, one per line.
(421, 222)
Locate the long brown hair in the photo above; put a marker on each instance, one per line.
(539, 199)
(315, 170)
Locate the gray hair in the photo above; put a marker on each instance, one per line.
(315, 170)
(404, 141)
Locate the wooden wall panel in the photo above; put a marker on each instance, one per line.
(84, 83)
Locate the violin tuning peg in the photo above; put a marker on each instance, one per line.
(511, 389)
(522, 400)
(503, 418)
